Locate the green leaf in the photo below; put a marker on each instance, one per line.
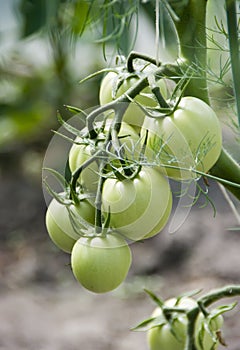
(143, 324)
(222, 309)
(150, 323)
(59, 197)
(155, 298)
(67, 126)
(34, 13)
(58, 176)
(190, 294)
(80, 15)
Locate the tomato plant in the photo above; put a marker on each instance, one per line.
(173, 134)
(139, 207)
(101, 263)
(60, 225)
(189, 138)
(115, 84)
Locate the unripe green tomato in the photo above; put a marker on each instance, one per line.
(207, 342)
(161, 337)
(139, 207)
(101, 263)
(80, 153)
(134, 115)
(59, 225)
(189, 138)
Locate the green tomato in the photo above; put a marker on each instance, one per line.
(204, 327)
(172, 336)
(168, 336)
(139, 207)
(101, 263)
(79, 153)
(59, 224)
(133, 115)
(189, 138)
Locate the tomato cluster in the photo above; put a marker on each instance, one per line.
(119, 190)
(177, 323)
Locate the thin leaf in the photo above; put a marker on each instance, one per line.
(61, 179)
(104, 70)
(67, 126)
(143, 324)
(155, 298)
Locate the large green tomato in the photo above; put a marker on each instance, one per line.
(172, 336)
(79, 153)
(59, 224)
(101, 263)
(189, 138)
(133, 115)
(139, 207)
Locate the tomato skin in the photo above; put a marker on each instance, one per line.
(59, 226)
(101, 263)
(139, 207)
(161, 337)
(133, 115)
(189, 138)
(80, 153)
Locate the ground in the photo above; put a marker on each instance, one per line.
(42, 307)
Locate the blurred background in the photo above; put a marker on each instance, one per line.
(43, 56)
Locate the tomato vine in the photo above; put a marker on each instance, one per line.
(136, 177)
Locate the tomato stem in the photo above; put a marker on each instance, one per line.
(98, 199)
(77, 172)
(191, 31)
(137, 55)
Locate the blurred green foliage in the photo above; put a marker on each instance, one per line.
(38, 72)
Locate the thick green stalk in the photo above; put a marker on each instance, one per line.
(192, 52)
(192, 46)
(227, 168)
(232, 26)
